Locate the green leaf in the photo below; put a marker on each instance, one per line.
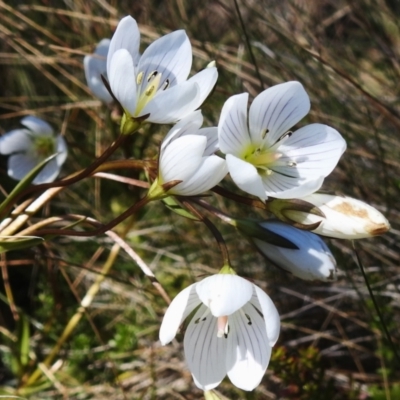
(18, 242)
(23, 340)
(173, 204)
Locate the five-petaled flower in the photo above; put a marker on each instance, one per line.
(312, 260)
(187, 155)
(264, 158)
(154, 87)
(28, 147)
(231, 333)
(95, 65)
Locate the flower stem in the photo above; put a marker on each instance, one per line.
(240, 199)
(376, 306)
(217, 234)
(102, 229)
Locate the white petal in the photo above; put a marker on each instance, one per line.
(186, 126)
(206, 79)
(20, 164)
(181, 306)
(315, 150)
(62, 150)
(233, 134)
(224, 294)
(15, 141)
(37, 125)
(286, 187)
(172, 104)
(95, 65)
(245, 175)
(122, 80)
(48, 174)
(170, 55)
(248, 351)
(271, 316)
(205, 353)
(212, 139)
(210, 172)
(277, 109)
(126, 36)
(181, 158)
(313, 260)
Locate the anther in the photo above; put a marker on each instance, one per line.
(285, 135)
(149, 91)
(139, 78)
(166, 84)
(152, 75)
(264, 133)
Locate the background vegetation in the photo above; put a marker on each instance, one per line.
(347, 55)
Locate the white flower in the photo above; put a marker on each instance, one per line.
(264, 158)
(312, 260)
(231, 333)
(95, 65)
(186, 155)
(28, 147)
(346, 218)
(154, 87)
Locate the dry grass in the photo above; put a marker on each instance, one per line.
(346, 54)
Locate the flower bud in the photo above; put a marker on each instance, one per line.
(345, 217)
(312, 260)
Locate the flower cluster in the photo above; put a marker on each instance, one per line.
(232, 323)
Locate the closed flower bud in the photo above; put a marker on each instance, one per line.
(312, 260)
(345, 217)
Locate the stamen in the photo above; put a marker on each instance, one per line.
(139, 78)
(248, 319)
(149, 90)
(152, 75)
(165, 85)
(264, 133)
(286, 135)
(203, 317)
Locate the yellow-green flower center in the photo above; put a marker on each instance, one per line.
(147, 92)
(262, 159)
(44, 146)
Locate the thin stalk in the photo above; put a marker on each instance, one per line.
(240, 199)
(376, 306)
(104, 228)
(217, 234)
(253, 59)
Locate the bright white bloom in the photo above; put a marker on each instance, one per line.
(154, 86)
(95, 65)
(313, 259)
(187, 155)
(264, 158)
(346, 218)
(28, 147)
(232, 332)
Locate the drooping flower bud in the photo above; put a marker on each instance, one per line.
(345, 217)
(312, 260)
